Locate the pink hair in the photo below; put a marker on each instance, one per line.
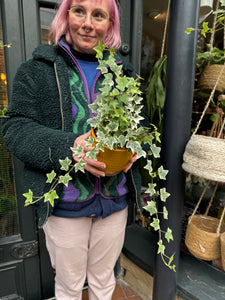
(60, 26)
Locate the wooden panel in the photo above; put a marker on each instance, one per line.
(12, 279)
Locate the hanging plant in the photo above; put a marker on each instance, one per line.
(155, 92)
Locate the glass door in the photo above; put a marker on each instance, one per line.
(25, 271)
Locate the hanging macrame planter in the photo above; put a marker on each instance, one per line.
(204, 155)
(209, 77)
(204, 232)
(222, 242)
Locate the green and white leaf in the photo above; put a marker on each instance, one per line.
(65, 163)
(162, 173)
(151, 189)
(51, 197)
(168, 235)
(50, 176)
(151, 207)
(163, 194)
(65, 179)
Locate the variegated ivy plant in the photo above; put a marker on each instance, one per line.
(118, 114)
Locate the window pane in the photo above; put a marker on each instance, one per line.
(8, 207)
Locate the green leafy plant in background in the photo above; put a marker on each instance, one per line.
(219, 22)
(155, 92)
(117, 124)
(212, 55)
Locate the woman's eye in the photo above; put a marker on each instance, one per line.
(100, 16)
(78, 11)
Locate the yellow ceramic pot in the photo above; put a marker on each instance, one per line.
(115, 160)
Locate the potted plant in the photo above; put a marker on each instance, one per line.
(116, 124)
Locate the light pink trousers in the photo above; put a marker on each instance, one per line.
(85, 247)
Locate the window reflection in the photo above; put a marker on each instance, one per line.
(8, 208)
(46, 17)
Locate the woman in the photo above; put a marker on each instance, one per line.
(46, 117)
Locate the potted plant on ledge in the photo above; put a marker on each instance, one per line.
(116, 125)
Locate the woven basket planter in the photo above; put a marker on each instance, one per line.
(202, 239)
(115, 160)
(204, 156)
(209, 77)
(222, 243)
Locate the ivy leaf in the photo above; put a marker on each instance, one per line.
(102, 66)
(163, 194)
(122, 140)
(65, 179)
(165, 213)
(65, 163)
(29, 197)
(51, 196)
(151, 207)
(169, 263)
(136, 148)
(168, 235)
(162, 173)
(108, 80)
(155, 224)
(148, 166)
(92, 154)
(113, 126)
(89, 142)
(161, 248)
(151, 189)
(99, 49)
(3, 111)
(100, 146)
(77, 151)
(50, 176)
(189, 30)
(121, 83)
(155, 151)
(111, 142)
(205, 28)
(79, 166)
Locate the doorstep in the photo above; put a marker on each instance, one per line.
(138, 279)
(197, 279)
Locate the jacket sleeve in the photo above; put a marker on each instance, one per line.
(31, 128)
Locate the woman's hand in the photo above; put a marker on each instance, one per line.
(132, 160)
(91, 165)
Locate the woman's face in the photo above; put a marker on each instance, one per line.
(89, 23)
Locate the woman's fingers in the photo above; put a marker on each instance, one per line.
(92, 166)
(80, 140)
(132, 160)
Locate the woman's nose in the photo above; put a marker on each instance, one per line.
(88, 20)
